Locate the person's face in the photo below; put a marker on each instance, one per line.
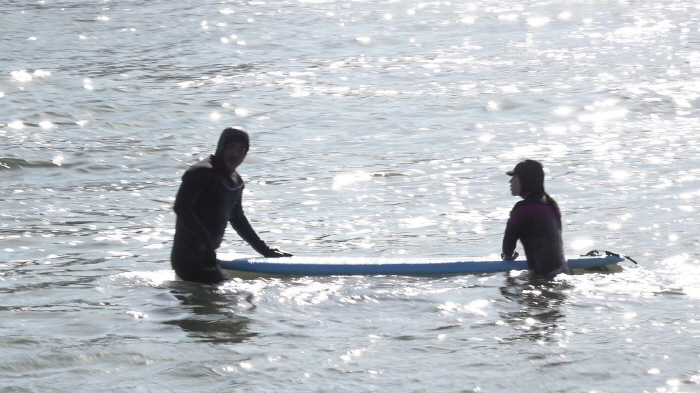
(515, 185)
(234, 153)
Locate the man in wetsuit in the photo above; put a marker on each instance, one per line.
(209, 196)
(536, 221)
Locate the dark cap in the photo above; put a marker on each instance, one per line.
(531, 176)
(527, 167)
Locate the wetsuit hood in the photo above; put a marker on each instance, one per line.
(227, 136)
(531, 176)
(231, 135)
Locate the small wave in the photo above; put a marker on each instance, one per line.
(150, 278)
(9, 163)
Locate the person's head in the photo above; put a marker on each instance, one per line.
(232, 147)
(527, 176)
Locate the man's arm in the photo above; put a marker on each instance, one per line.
(240, 223)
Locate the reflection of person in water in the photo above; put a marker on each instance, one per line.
(210, 314)
(209, 196)
(535, 221)
(539, 299)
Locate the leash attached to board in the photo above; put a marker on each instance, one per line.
(597, 253)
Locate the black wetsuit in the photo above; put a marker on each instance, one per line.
(537, 224)
(207, 199)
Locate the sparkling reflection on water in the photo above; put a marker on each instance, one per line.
(379, 129)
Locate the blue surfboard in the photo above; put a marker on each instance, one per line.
(332, 266)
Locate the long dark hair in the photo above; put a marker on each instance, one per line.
(553, 204)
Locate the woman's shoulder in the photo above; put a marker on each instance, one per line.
(531, 201)
(519, 205)
(533, 207)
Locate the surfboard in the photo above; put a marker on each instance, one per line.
(332, 266)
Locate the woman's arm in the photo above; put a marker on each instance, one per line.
(510, 238)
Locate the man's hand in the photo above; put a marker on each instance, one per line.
(276, 253)
(510, 258)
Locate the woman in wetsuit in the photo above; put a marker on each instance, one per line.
(535, 221)
(209, 196)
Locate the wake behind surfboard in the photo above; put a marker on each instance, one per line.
(332, 266)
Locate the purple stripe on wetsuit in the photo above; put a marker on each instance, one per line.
(527, 211)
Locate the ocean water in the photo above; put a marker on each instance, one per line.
(379, 128)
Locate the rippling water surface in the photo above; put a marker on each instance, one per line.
(379, 128)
